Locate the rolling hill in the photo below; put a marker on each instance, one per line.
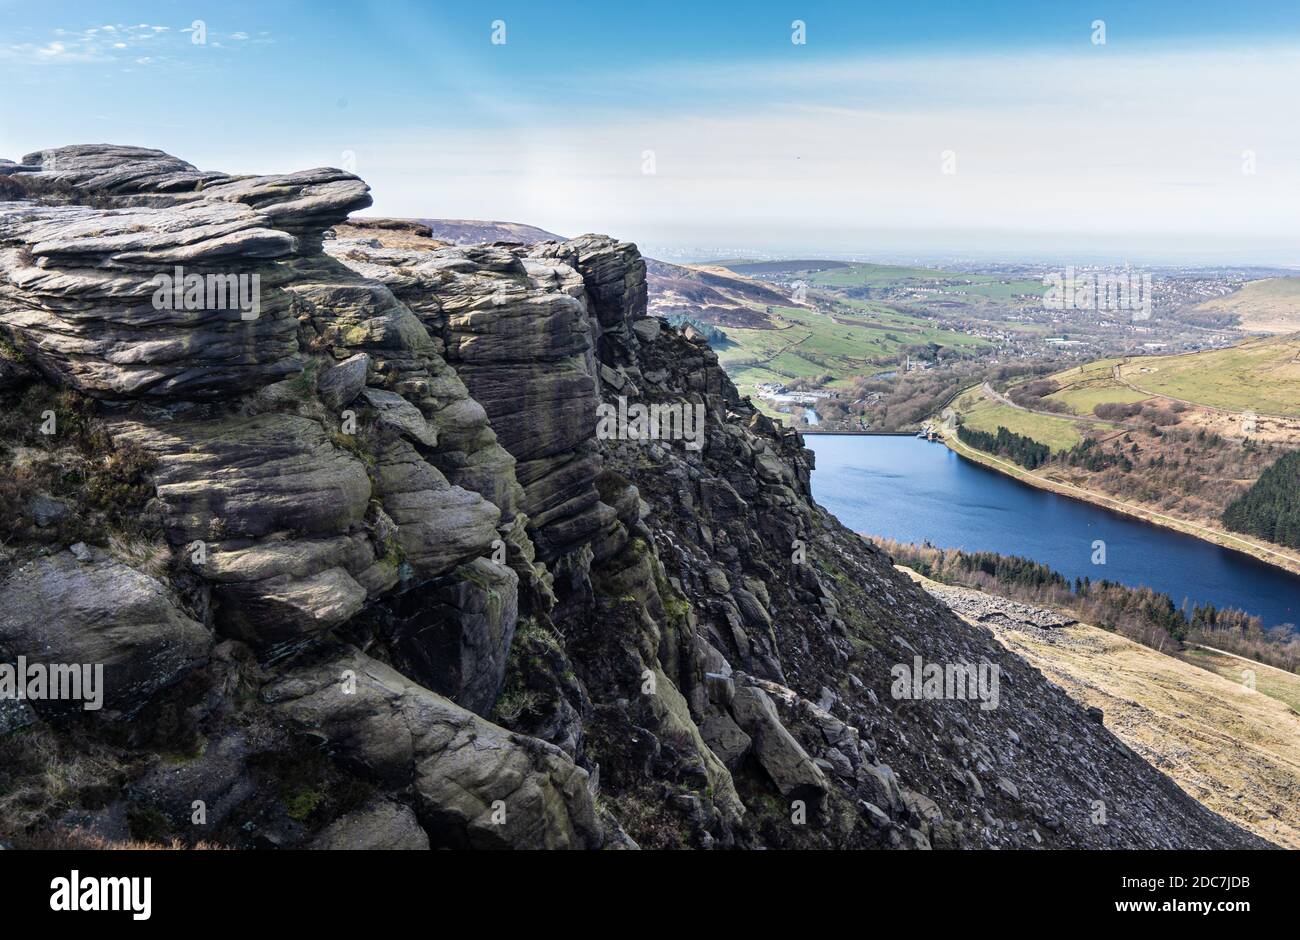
(1271, 305)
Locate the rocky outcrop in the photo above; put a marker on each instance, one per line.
(80, 285)
(452, 607)
(518, 331)
(997, 610)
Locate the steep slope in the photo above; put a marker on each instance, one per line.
(379, 563)
(1232, 743)
(711, 295)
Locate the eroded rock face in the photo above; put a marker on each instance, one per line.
(244, 478)
(350, 314)
(455, 636)
(519, 332)
(438, 525)
(79, 290)
(79, 285)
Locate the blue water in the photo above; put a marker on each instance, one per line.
(911, 490)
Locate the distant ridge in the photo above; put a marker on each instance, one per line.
(711, 296)
(777, 267)
(479, 231)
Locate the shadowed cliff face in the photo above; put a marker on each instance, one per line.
(393, 560)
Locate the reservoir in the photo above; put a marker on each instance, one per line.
(907, 489)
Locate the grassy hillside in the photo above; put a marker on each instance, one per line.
(947, 288)
(1274, 683)
(1084, 387)
(804, 343)
(1175, 445)
(1262, 375)
(1268, 306)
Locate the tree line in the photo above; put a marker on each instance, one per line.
(1270, 509)
(1142, 614)
(1025, 451)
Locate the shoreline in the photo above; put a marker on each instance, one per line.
(1229, 541)
(1243, 545)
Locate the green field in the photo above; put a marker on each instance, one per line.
(809, 344)
(1262, 375)
(938, 285)
(1274, 683)
(983, 414)
(1085, 387)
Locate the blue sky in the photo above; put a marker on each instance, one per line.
(702, 127)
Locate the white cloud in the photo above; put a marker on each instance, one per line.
(105, 45)
(1128, 150)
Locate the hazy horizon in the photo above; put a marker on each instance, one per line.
(692, 131)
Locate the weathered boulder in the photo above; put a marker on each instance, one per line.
(283, 608)
(341, 383)
(475, 784)
(785, 760)
(57, 609)
(400, 416)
